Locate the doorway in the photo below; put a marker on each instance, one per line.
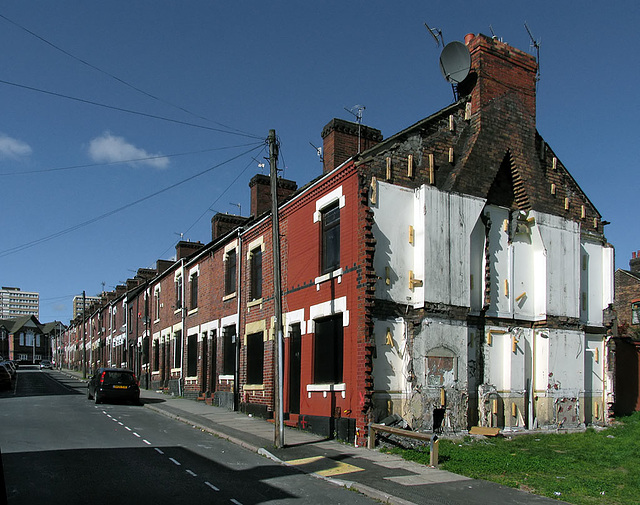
(295, 362)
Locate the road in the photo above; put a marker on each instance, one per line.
(59, 447)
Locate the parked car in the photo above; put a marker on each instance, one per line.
(5, 378)
(45, 363)
(113, 384)
(10, 367)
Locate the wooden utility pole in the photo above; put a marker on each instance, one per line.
(277, 292)
(84, 337)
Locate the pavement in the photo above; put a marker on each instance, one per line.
(383, 477)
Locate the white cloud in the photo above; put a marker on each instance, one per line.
(13, 148)
(108, 148)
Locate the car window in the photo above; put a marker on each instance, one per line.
(118, 378)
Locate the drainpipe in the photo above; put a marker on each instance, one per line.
(183, 314)
(236, 378)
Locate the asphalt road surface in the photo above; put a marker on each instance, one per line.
(60, 448)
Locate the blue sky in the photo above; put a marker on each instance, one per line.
(190, 90)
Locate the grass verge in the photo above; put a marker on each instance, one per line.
(593, 467)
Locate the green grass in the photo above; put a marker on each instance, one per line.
(594, 467)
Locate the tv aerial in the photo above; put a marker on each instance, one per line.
(318, 151)
(357, 110)
(536, 45)
(435, 33)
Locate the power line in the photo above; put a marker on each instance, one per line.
(112, 76)
(212, 204)
(33, 243)
(135, 160)
(128, 111)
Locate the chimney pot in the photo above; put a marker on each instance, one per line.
(633, 255)
(468, 38)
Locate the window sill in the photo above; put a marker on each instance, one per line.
(177, 311)
(229, 296)
(255, 303)
(327, 388)
(328, 276)
(193, 311)
(228, 378)
(253, 387)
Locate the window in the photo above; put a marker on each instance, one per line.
(330, 256)
(156, 296)
(256, 274)
(177, 346)
(230, 273)
(328, 350)
(255, 358)
(130, 321)
(178, 285)
(635, 313)
(145, 351)
(156, 356)
(193, 281)
(192, 355)
(228, 350)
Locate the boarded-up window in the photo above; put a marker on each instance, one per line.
(192, 355)
(441, 367)
(328, 350)
(229, 350)
(255, 358)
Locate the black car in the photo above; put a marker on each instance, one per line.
(116, 384)
(5, 378)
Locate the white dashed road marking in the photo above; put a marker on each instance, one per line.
(174, 461)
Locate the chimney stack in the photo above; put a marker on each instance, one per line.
(501, 71)
(634, 263)
(341, 140)
(185, 249)
(261, 193)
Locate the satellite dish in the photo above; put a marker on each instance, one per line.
(455, 62)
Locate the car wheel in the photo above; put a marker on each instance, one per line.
(89, 397)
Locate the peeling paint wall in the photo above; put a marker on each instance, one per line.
(493, 328)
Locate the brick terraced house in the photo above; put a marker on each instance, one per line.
(453, 274)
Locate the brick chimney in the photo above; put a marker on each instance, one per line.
(340, 141)
(500, 71)
(185, 249)
(221, 224)
(163, 265)
(261, 193)
(634, 263)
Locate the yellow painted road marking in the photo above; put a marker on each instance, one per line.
(304, 461)
(337, 468)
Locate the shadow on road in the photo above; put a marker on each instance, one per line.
(136, 475)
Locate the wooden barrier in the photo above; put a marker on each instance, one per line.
(425, 437)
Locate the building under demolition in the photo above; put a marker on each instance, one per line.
(453, 275)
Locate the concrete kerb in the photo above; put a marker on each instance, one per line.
(208, 429)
